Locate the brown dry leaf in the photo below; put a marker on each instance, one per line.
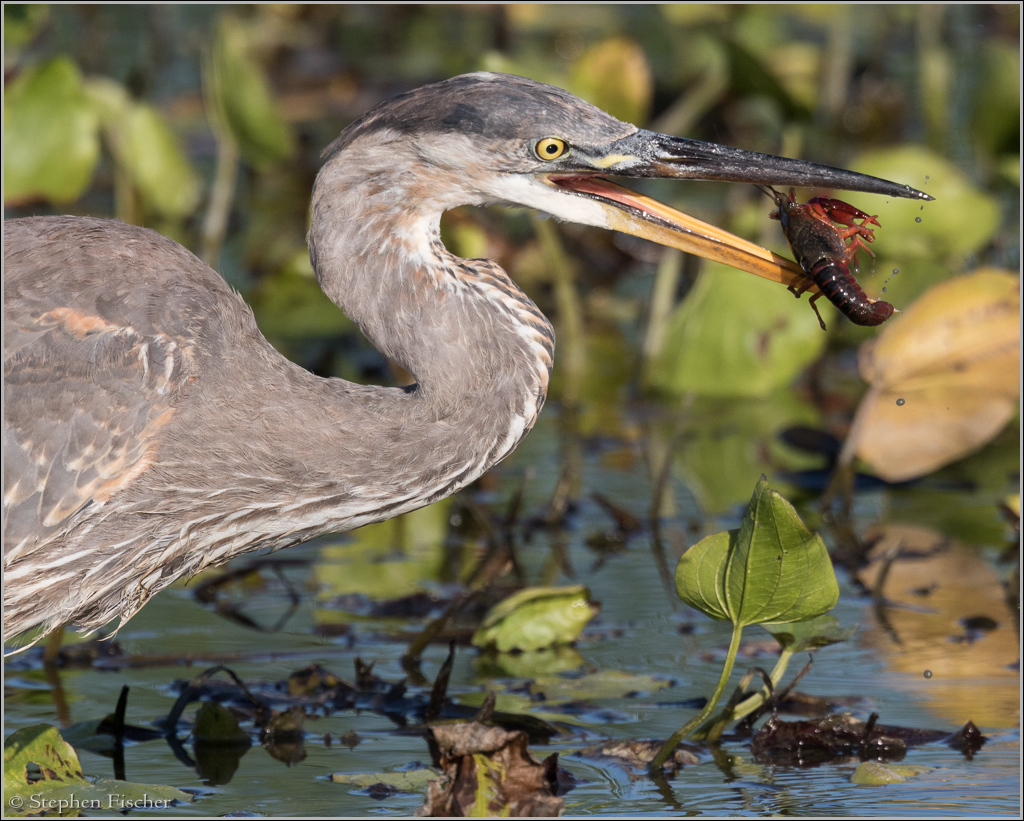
(945, 377)
(490, 771)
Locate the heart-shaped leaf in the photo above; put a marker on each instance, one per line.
(771, 570)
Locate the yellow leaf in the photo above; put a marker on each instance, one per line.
(945, 376)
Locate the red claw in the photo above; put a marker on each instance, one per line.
(823, 250)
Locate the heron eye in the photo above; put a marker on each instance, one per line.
(551, 148)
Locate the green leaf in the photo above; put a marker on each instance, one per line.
(412, 781)
(773, 569)
(242, 99)
(536, 617)
(51, 134)
(877, 774)
(116, 796)
(614, 76)
(995, 101)
(290, 305)
(800, 636)
(215, 724)
(157, 164)
(62, 786)
(22, 22)
(146, 150)
(960, 221)
(736, 335)
(39, 746)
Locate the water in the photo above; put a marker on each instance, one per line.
(642, 630)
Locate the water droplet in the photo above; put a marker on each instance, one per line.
(901, 402)
(927, 673)
(895, 271)
(884, 290)
(922, 208)
(927, 177)
(917, 219)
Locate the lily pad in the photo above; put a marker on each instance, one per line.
(773, 569)
(536, 617)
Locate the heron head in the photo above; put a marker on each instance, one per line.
(489, 138)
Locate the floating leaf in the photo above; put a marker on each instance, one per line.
(383, 784)
(61, 785)
(603, 684)
(944, 377)
(489, 771)
(735, 335)
(39, 746)
(51, 134)
(536, 617)
(878, 774)
(98, 736)
(773, 569)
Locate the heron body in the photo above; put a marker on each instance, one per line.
(149, 428)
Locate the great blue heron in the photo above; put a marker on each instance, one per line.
(151, 430)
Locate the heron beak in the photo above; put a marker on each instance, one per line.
(649, 154)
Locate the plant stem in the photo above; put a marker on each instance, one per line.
(712, 728)
(669, 746)
(572, 346)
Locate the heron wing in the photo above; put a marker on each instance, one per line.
(85, 404)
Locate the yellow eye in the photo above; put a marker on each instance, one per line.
(551, 148)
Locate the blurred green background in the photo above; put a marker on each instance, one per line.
(677, 383)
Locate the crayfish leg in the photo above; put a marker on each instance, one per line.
(797, 292)
(817, 313)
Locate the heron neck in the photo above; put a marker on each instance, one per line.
(478, 347)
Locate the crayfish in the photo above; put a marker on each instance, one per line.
(820, 249)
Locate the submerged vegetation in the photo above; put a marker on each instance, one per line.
(677, 384)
